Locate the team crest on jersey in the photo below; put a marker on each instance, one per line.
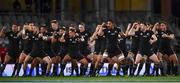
(162, 32)
(86, 34)
(112, 33)
(145, 36)
(15, 37)
(36, 38)
(148, 34)
(109, 31)
(141, 33)
(77, 39)
(74, 42)
(115, 31)
(11, 35)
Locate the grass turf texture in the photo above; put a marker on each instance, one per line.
(105, 79)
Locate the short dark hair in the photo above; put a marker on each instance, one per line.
(63, 28)
(29, 22)
(72, 29)
(54, 21)
(164, 22)
(110, 20)
(82, 23)
(14, 23)
(43, 25)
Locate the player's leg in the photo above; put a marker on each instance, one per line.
(48, 60)
(20, 62)
(84, 65)
(6, 60)
(55, 67)
(27, 59)
(155, 59)
(173, 58)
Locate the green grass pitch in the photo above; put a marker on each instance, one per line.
(103, 79)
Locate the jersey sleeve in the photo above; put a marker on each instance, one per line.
(151, 32)
(105, 32)
(7, 34)
(119, 30)
(169, 32)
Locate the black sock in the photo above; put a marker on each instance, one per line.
(131, 70)
(168, 71)
(175, 70)
(124, 69)
(83, 69)
(37, 70)
(18, 68)
(169, 67)
(62, 67)
(48, 73)
(44, 66)
(76, 69)
(91, 69)
(147, 68)
(31, 70)
(109, 69)
(15, 68)
(55, 69)
(25, 74)
(134, 68)
(156, 66)
(139, 69)
(161, 68)
(2, 69)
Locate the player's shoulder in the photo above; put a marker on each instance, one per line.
(118, 28)
(169, 32)
(8, 33)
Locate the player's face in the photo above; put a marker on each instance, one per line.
(163, 27)
(81, 28)
(35, 29)
(158, 27)
(54, 26)
(109, 24)
(137, 25)
(71, 33)
(61, 31)
(148, 27)
(14, 28)
(99, 26)
(30, 27)
(142, 27)
(42, 30)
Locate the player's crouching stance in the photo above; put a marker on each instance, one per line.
(13, 48)
(147, 37)
(37, 54)
(166, 36)
(73, 52)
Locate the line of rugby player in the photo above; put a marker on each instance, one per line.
(60, 45)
